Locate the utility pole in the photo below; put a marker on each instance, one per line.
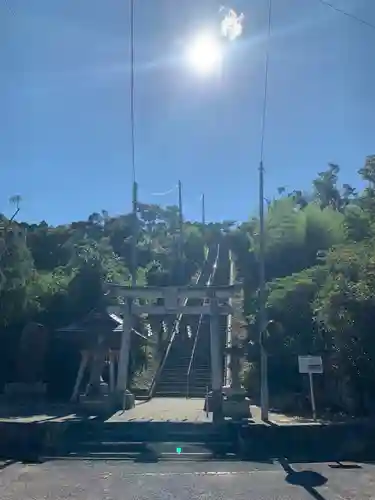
(127, 320)
(203, 211)
(181, 226)
(262, 277)
(135, 233)
(262, 302)
(180, 213)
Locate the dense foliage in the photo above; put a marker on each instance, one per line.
(320, 271)
(55, 275)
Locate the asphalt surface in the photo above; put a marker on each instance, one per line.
(115, 480)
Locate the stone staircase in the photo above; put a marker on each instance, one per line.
(187, 368)
(173, 381)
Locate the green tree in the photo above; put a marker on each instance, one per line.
(17, 272)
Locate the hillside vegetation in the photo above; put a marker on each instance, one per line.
(320, 270)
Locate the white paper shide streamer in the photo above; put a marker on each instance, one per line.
(231, 26)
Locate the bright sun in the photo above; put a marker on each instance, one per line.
(204, 54)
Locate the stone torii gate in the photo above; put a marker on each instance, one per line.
(214, 304)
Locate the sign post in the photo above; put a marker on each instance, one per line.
(311, 365)
(312, 395)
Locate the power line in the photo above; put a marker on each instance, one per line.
(165, 193)
(135, 231)
(266, 71)
(347, 14)
(132, 89)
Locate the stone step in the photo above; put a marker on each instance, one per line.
(179, 359)
(192, 394)
(170, 393)
(175, 387)
(196, 361)
(181, 385)
(196, 392)
(175, 366)
(152, 451)
(178, 368)
(183, 367)
(170, 374)
(174, 373)
(170, 382)
(203, 374)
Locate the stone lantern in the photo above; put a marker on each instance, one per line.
(236, 404)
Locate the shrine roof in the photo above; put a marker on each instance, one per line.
(95, 321)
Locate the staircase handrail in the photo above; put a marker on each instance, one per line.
(229, 338)
(209, 282)
(170, 340)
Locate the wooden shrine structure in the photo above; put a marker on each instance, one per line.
(98, 338)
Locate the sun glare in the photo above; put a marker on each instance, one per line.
(204, 54)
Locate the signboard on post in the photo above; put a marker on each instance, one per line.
(310, 365)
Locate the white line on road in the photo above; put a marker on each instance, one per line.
(200, 473)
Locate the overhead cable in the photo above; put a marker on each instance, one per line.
(347, 14)
(132, 120)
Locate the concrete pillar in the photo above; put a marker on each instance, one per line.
(216, 361)
(122, 375)
(97, 365)
(85, 355)
(229, 358)
(111, 371)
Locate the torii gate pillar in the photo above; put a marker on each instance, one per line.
(216, 362)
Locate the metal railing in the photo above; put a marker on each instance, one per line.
(209, 282)
(228, 375)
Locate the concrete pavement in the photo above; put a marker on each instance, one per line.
(189, 410)
(165, 410)
(155, 410)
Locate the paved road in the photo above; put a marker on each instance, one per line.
(114, 480)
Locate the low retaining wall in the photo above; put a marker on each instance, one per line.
(21, 441)
(30, 441)
(301, 442)
(349, 441)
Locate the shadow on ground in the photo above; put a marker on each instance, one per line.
(308, 480)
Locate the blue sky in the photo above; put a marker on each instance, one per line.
(64, 104)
